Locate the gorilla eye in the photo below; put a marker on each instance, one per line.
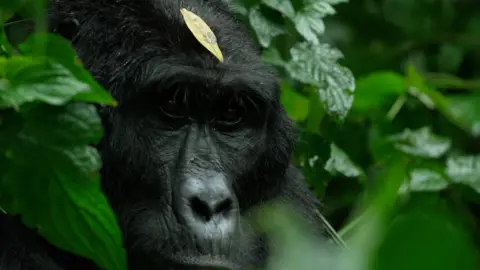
(230, 114)
(173, 104)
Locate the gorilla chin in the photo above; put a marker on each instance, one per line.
(209, 236)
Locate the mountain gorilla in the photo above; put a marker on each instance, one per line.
(192, 146)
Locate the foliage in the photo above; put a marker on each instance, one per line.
(395, 155)
(48, 170)
(398, 174)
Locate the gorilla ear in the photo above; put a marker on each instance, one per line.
(65, 25)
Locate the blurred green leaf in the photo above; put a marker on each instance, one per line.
(450, 58)
(296, 246)
(421, 143)
(10, 5)
(295, 104)
(424, 179)
(426, 235)
(434, 99)
(5, 15)
(446, 81)
(370, 225)
(63, 200)
(465, 170)
(317, 66)
(372, 89)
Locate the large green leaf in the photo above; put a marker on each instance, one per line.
(28, 79)
(465, 170)
(58, 49)
(50, 177)
(428, 234)
(317, 65)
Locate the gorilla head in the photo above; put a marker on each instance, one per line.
(194, 143)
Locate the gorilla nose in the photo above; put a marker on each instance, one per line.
(206, 206)
(209, 205)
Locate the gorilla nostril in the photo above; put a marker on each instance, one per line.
(201, 209)
(207, 210)
(224, 207)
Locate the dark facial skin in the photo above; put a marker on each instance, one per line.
(194, 144)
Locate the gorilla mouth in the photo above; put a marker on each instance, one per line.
(206, 262)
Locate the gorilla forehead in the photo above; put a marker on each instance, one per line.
(138, 41)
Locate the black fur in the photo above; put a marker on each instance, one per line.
(139, 50)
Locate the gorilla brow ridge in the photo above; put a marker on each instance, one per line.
(238, 81)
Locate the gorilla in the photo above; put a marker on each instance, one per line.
(193, 145)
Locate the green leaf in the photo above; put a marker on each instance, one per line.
(265, 29)
(427, 234)
(28, 79)
(421, 143)
(309, 20)
(294, 103)
(284, 6)
(448, 81)
(317, 65)
(66, 126)
(340, 163)
(51, 178)
(60, 50)
(424, 179)
(465, 170)
(373, 89)
(369, 227)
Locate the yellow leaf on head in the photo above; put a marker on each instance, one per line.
(202, 33)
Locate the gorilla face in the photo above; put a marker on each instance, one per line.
(177, 160)
(194, 143)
